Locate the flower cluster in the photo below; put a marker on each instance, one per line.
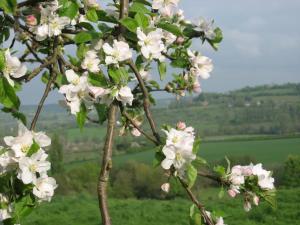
(50, 23)
(178, 150)
(24, 159)
(252, 180)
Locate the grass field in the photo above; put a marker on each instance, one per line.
(83, 210)
(266, 151)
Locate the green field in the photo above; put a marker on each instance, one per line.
(83, 210)
(266, 151)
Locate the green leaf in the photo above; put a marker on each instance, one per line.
(143, 2)
(217, 40)
(16, 114)
(142, 20)
(119, 75)
(102, 112)
(196, 146)
(81, 116)
(221, 193)
(9, 6)
(69, 9)
(8, 95)
(139, 8)
(103, 16)
(159, 157)
(81, 51)
(33, 149)
(171, 28)
(22, 208)
(83, 37)
(200, 161)
(195, 216)
(220, 170)
(98, 80)
(191, 175)
(162, 69)
(130, 24)
(2, 60)
(91, 15)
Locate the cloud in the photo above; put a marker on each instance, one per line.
(246, 43)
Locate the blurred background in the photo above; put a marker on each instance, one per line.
(249, 111)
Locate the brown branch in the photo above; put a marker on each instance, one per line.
(33, 52)
(214, 178)
(49, 61)
(199, 205)
(146, 100)
(106, 165)
(127, 116)
(52, 79)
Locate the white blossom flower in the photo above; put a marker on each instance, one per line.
(220, 221)
(178, 149)
(265, 180)
(236, 177)
(23, 142)
(98, 92)
(6, 160)
(165, 7)
(206, 27)
(13, 67)
(30, 166)
(151, 44)
(91, 62)
(51, 23)
(5, 212)
(165, 187)
(255, 200)
(201, 65)
(44, 188)
(92, 4)
(124, 95)
(145, 74)
(119, 52)
(169, 37)
(247, 206)
(76, 91)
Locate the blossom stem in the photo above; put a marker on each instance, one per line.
(106, 164)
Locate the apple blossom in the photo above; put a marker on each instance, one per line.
(165, 7)
(30, 166)
(178, 149)
(206, 27)
(44, 188)
(5, 212)
(145, 74)
(6, 160)
(181, 125)
(125, 95)
(92, 4)
(76, 91)
(13, 67)
(91, 62)
(247, 206)
(116, 53)
(201, 65)
(255, 200)
(220, 221)
(265, 180)
(23, 142)
(169, 38)
(151, 44)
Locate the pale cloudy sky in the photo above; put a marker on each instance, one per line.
(261, 44)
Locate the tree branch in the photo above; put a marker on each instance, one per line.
(106, 164)
(146, 100)
(199, 205)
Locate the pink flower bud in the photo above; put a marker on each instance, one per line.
(135, 132)
(232, 193)
(197, 87)
(247, 206)
(31, 20)
(179, 40)
(165, 187)
(181, 125)
(256, 200)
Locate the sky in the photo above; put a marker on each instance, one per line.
(261, 45)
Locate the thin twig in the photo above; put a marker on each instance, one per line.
(199, 205)
(146, 100)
